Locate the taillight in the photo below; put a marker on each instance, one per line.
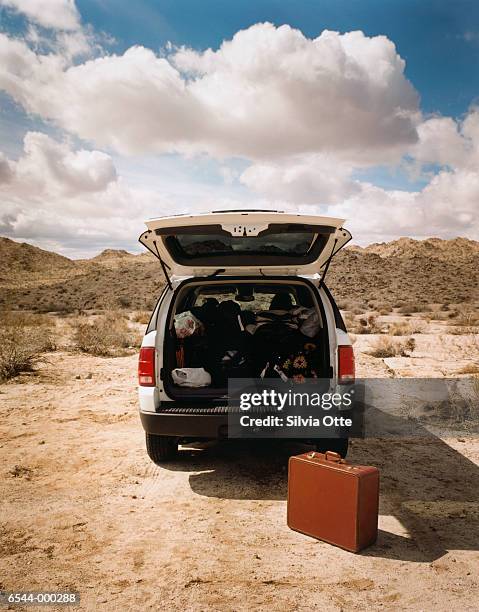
(146, 367)
(346, 370)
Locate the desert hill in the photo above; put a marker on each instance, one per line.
(435, 248)
(111, 254)
(402, 271)
(23, 257)
(111, 257)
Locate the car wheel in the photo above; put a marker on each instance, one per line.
(338, 445)
(161, 448)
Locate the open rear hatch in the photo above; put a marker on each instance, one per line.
(244, 242)
(225, 328)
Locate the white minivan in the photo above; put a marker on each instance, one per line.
(237, 283)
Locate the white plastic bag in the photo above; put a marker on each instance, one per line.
(191, 377)
(186, 324)
(309, 321)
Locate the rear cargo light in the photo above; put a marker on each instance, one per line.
(146, 367)
(346, 369)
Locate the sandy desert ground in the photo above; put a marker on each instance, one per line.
(84, 509)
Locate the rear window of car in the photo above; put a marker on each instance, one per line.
(293, 244)
(278, 244)
(255, 301)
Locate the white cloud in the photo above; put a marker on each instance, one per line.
(75, 202)
(54, 195)
(228, 174)
(305, 112)
(6, 172)
(58, 14)
(268, 92)
(49, 168)
(311, 179)
(451, 201)
(440, 142)
(446, 208)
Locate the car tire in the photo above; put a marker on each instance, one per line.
(337, 445)
(161, 448)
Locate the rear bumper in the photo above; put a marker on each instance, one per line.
(186, 424)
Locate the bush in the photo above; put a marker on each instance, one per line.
(466, 317)
(23, 341)
(108, 334)
(367, 325)
(27, 319)
(406, 329)
(357, 310)
(363, 325)
(141, 317)
(124, 301)
(470, 368)
(462, 330)
(387, 347)
(435, 314)
(409, 308)
(384, 308)
(58, 307)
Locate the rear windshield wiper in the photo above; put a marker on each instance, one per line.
(216, 272)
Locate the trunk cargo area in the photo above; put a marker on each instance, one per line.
(242, 328)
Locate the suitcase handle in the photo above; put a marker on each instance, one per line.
(328, 456)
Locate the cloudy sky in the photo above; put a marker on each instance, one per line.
(114, 111)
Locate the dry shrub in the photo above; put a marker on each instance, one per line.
(124, 301)
(384, 308)
(142, 317)
(409, 308)
(21, 471)
(357, 310)
(438, 312)
(363, 325)
(106, 335)
(387, 347)
(435, 314)
(462, 330)
(58, 307)
(27, 319)
(406, 329)
(367, 325)
(349, 320)
(466, 316)
(470, 368)
(462, 405)
(23, 341)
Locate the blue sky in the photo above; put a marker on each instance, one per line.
(397, 173)
(438, 39)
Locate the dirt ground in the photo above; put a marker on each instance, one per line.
(83, 508)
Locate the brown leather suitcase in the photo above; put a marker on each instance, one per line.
(333, 500)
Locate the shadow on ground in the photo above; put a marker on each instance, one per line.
(429, 487)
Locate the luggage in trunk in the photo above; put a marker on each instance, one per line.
(332, 500)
